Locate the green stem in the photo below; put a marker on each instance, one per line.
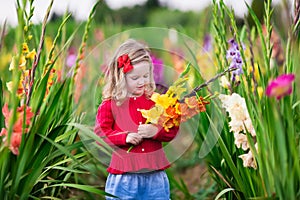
(196, 89)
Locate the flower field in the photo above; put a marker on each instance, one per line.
(239, 119)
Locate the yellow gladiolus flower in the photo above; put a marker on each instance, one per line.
(256, 71)
(260, 91)
(12, 64)
(9, 86)
(178, 109)
(153, 114)
(22, 62)
(177, 91)
(163, 100)
(25, 48)
(31, 54)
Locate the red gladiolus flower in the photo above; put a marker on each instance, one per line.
(281, 86)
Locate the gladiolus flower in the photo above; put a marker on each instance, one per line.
(169, 111)
(12, 64)
(23, 84)
(248, 160)
(240, 123)
(17, 131)
(158, 71)
(25, 48)
(240, 140)
(153, 114)
(192, 102)
(207, 44)
(233, 53)
(71, 58)
(236, 107)
(224, 82)
(281, 86)
(260, 91)
(31, 54)
(163, 100)
(22, 63)
(9, 86)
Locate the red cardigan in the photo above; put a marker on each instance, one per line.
(113, 123)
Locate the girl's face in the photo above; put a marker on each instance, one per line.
(138, 78)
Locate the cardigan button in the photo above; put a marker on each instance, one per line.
(143, 149)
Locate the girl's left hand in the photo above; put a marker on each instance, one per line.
(147, 130)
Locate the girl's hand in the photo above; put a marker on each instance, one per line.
(147, 130)
(133, 138)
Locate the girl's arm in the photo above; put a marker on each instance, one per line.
(164, 136)
(104, 126)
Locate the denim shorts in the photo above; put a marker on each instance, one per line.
(138, 186)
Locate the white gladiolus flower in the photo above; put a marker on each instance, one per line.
(248, 160)
(241, 141)
(224, 82)
(239, 124)
(236, 107)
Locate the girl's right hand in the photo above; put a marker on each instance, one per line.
(134, 138)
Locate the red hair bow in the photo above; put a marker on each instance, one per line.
(124, 61)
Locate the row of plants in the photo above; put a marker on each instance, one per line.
(41, 155)
(249, 137)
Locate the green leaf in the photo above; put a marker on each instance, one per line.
(86, 188)
(39, 92)
(261, 35)
(228, 159)
(87, 134)
(224, 192)
(42, 160)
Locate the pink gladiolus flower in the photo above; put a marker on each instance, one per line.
(281, 86)
(17, 131)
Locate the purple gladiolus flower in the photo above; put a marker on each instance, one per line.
(157, 69)
(158, 74)
(281, 86)
(233, 53)
(207, 43)
(71, 57)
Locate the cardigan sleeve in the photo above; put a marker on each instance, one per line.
(164, 136)
(104, 126)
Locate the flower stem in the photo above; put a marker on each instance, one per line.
(2, 34)
(196, 89)
(39, 51)
(131, 147)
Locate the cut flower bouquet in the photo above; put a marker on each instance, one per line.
(169, 109)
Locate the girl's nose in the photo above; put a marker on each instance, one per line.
(141, 81)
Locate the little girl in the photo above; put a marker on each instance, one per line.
(137, 173)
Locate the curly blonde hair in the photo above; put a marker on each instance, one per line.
(115, 87)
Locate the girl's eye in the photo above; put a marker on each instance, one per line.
(134, 78)
(146, 75)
